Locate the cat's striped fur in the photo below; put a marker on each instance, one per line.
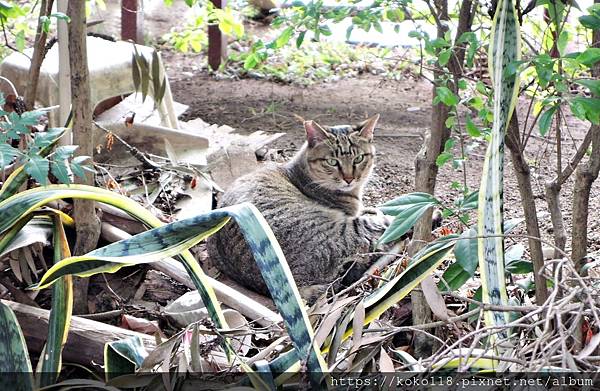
(314, 206)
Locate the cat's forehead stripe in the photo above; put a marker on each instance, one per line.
(343, 146)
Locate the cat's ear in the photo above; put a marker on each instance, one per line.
(314, 133)
(366, 128)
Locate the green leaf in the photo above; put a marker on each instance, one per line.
(589, 57)
(59, 169)
(24, 233)
(514, 262)
(471, 201)
(390, 293)
(61, 16)
(446, 96)
(465, 251)
(7, 154)
(45, 22)
(145, 75)
(172, 239)
(38, 167)
(586, 109)
(251, 61)
(444, 57)
(19, 176)
(155, 74)
(472, 129)
(161, 91)
(14, 358)
(395, 15)
(377, 27)
(13, 208)
(592, 84)
(20, 41)
(471, 38)
(300, 39)
(443, 158)
(546, 120)
(562, 42)
(135, 73)
(590, 21)
(64, 152)
(403, 222)
(325, 30)
(398, 204)
(77, 169)
(422, 264)
(453, 278)
(284, 38)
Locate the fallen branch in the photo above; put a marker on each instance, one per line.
(85, 344)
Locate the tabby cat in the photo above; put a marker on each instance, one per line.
(314, 206)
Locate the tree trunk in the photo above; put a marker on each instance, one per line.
(585, 175)
(558, 223)
(86, 221)
(39, 52)
(527, 199)
(553, 189)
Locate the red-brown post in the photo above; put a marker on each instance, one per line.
(217, 41)
(132, 21)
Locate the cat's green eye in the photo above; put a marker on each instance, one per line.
(359, 159)
(332, 162)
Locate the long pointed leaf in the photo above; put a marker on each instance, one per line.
(504, 49)
(15, 367)
(146, 247)
(60, 313)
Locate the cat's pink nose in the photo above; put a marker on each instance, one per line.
(348, 180)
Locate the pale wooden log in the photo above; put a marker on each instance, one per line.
(86, 340)
(85, 344)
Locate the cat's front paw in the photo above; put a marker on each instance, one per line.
(376, 225)
(381, 222)
(370, 210)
